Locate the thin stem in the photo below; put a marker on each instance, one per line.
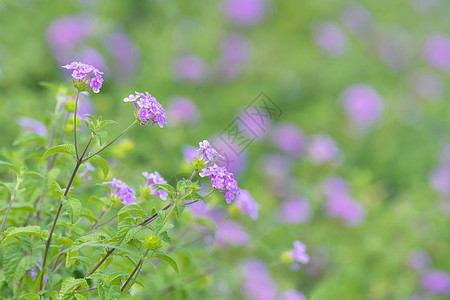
(103, 213)
(19, 180)
(75, 125)
(138, 266)
(109, 144)
(47, 246)
(97, 266)
(88, 290)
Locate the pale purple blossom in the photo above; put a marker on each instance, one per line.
(234, 56)
(32, 125)
(427, 85)
(322, 149)
(330, 38)
(294, 211)
(437, 282)
(289, 138)
(245, 12)
(418, 260)
(425, 6)
(233, 156)
(148, 109)
(291, 295)
(246, 204)
(121, 191)
(229, 233)
(125, 53)
(357, 18)
(299, 253)
(223, 180)
(199, 209)
(34, 273)
(362, 104)
(258, 284)
(85, 173)
(440, 179)
(208, 152)
(275, 165)
(436, 51)
(92, 57)
(182, 111)
(189, 68)
(190, 153)
(86, 73)
(152, 180)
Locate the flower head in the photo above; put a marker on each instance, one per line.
(209, 153)
(87, 74)
(221, 179)
(247, 205)
(32, 125)
(152, 179)
(299, 253)
(85, 173)
(148, 109)
(121, 191)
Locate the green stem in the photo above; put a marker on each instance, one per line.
(75, 125)
(138, 267)
(19, 180)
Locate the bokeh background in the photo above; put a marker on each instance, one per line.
(357, 166)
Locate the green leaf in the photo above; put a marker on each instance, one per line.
(11, 166)
(12, 258)
(64, 148)
(67, 286)
(81, 259)
(10, 187)
(126, 211)
(160, 254)
(32, 173)
(56, 190)
(125, 232)
(29, 137)
(73, 208)
(194, 197)
(102, 136)
(168, 188)
(29, 230)
(102, 163)
(30, 296)
(178, 210)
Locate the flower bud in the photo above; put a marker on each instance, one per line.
(198, 164)
(152, 242)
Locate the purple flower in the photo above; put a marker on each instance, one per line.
(32, 125)
(230, 233)
(291, 295)
(190, 153)
(221, 179)
(289, 138)
(363, 104)
(299, 253)
(275, 165)
(182, 111)
(356, 18)
(89, 168)
(424, 6)
(152, 179)
(427, 85)
(232, 156)
(322, 149)
(190, 68)
(92, 57)
(418, 259)
(330, 39)
(208, 152)
(199, 209)
(124, 52)
(437, 51)
(121, 191)
(87, 74)
(258, 284)
(440, 179)
(437, 282)
(65, 33)
(34, 273)
(148, 109)
(246, 204)
(294, 211)
(245, 12)
(235, 54)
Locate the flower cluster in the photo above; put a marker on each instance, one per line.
(87, 74)
(148, 109)
(153, 179)
(223, 180)
(246, 204)
(299, 253)
(121, 191)
(209, 153)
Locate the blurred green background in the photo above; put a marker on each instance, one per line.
(303, 55)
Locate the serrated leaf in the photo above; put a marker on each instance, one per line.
(125, 232)
(73, 208)
(68, 285)
(102, 136)
(81, 259)
(178, 210)
(102, 163)
(56, 190)
(64, 148)
(30, 296)
(11, 166)
(128, 209)
(12, 258)
(194, 197)
(10, 187)
(160, 254)
(29, 230)
(168, 188)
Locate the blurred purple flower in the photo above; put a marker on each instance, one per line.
(190, 68)
(275, 165)
(289, 138)
(34, 273)
(32, 125)
(254, 122)
(440, 179)
(322, 148)
(245, 12)
(181, 111)
(258, 284)
(235, 53)
(291, 295)
(299, 253)
(427, 85)
(93, 57)
(437, 282)
(395, 48)
(230, 233)
(125, 53)
(330, 38)
(121, 191)
(418, 260)
(335, 186)
(362, 104)
(246, 204)
(424, 6)
(89, 168)
(199, 209)
(356, 18)
(153, 179)
(294, 211)
(65, 33)
(190, 153)
(437, 51)
(85, 106)
(233, 157)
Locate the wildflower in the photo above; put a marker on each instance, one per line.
(87, 74)
(153, 179)
(299, 253)
(89, 168)
(229, 233)
(247, 205)
(32, 125)
(189, 68)
(289, 138)
(322, 149)
(209, 153)
(437, 51)
(148, 109)
(120, 190)
(295, 210)
(182, 111)
(222, 180)
(34, 273)
(291, 295)
(258, 284)
(437, 282)
(330, 38)
(245, 12)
